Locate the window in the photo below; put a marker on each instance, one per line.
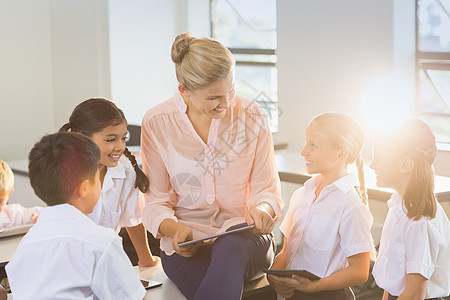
(433, 65)
(248, 29)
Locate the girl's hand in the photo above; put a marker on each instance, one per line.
(34, 217)
(280, 286)
(296, 282)
(183, 234)
(261, 215)
(304, 284)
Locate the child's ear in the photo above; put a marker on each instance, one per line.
(183, 90)
(83, 188)
(343, 154)
(407, 165)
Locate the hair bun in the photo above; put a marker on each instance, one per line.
(180, 47)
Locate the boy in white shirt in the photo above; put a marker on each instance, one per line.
(12, 214)
(65, 255)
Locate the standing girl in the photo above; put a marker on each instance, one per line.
(120, 203)
(414, 259)
(327, 226)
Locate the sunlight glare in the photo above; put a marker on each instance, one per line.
(386, 101)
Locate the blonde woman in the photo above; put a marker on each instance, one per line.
(209, 156)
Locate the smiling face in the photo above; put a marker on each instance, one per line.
(318, 154)
(212, 100)
(111, 142)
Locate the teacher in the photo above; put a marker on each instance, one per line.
(210, 160)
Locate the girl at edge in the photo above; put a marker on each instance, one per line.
(414, 256)
(327, 226)
(120, 203)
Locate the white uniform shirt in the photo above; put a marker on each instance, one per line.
(16, 215)
(409, 246)
(120, 203)
(67, 256)
(321, 234)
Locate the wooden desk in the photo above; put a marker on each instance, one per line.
(291, 168)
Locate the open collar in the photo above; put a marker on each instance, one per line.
(113, 173)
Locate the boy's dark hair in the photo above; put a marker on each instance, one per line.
(59, 162)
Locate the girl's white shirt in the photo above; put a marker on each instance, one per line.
(408, 246)
(16, 215)
(120, 203)
(321, 234)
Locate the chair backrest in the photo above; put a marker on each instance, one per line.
(134, 135)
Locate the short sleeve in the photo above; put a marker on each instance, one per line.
(288, 221)
(354, 230)
(422, 248)
(114, 276)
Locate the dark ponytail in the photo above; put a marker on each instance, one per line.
(65, 127)
(142, 181)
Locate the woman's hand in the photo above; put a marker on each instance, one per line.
(280, 286)
(262, 216)
(183, 234)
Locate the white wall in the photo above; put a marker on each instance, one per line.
(327, 52)
(141, 35)
(80, 54)
(54, 54)
(26, 95)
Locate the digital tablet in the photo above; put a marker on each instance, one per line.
(289, 273)
(244, 228)
(148, 284)
(16, 230)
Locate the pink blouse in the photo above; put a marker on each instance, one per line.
(207, 187)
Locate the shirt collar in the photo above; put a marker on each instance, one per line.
(345, 184)
(395, 204)
(117, 171)
(112, 173)
(61, 211)
(179, 102)
(395, 200)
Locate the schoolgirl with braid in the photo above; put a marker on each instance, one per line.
(327, 226)
(121, 201)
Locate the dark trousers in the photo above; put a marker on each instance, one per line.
(344, 294)
(390, 297)
(218, 271)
